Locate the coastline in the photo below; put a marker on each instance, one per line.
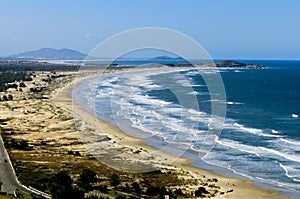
(242, 188)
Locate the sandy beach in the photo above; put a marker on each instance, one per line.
(57, 129)
(147, 156)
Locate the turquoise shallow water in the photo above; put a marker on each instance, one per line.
(261, 135)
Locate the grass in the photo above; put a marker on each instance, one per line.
(6, 197)
(21, 194)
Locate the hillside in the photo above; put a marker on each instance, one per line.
(50, 53)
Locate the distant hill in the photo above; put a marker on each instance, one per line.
(165, 57)
(50, 53)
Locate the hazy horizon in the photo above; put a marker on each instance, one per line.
(230, 30)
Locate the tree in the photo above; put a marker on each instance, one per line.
(114, 180)
(4, 98)
(22, 84)
(136, 187)
(179, 192)
(23, 145)
(63, 179)
(200, 191)
(86, 178)
(10, 97)
(62, 187)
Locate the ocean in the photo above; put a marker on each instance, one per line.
(260, 139)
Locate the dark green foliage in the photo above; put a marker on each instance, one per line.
(114, 180)
(22, 84)
(178, 192)
(136, 187)
(63, 179)
(36, 90)
(153, 191)
(87, 177)
(7, 79)
(17, 144)
(4, 98)
(126, 188)
(103, 189)
(94, 197)
(58, 192)
(200, 191)
(121, 197)
(62, 187)
(35, 66)
(10, 97)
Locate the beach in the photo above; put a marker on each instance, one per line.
(233, 187)
(56, 128)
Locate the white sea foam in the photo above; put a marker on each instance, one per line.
(194, 93)
(153, 87)
(291, 172)
(291, 142)
(192, 111)
(234, 103)
(254, 131)
(287, 156)
(237, 71)
(275, 132)
(144, 99)
(239, 146)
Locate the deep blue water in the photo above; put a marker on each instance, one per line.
(261, 135)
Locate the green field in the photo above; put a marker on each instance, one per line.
(6, 197)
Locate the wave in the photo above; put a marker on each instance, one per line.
(194, 93)
(288, 141)
(239, 146)
(288, 170)
(254, 131)
(259, 150)
(287, 156)
(294, 115)
(234, 103)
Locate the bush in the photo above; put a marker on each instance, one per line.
(179, 192)
(94, 197)
(153, 191)
(136, 187)
(121, 197)
(201, 191)
(126, 188)
(62, 187)
(22, 84)
(114, 180)
(4, 98)
(86, 178)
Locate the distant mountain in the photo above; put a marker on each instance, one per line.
(50, 53)
(165, 57)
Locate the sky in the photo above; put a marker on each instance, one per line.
(250, 29)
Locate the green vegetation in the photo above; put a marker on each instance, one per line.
(11, 143)
(7, 79)
(200, 191)
(6, 197)
(35, 66)
(62, 187)
(86, 178)
(114, 180)
(22, 195)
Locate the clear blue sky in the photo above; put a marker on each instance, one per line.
(258, 29)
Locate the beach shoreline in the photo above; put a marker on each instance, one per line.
(242, 188)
